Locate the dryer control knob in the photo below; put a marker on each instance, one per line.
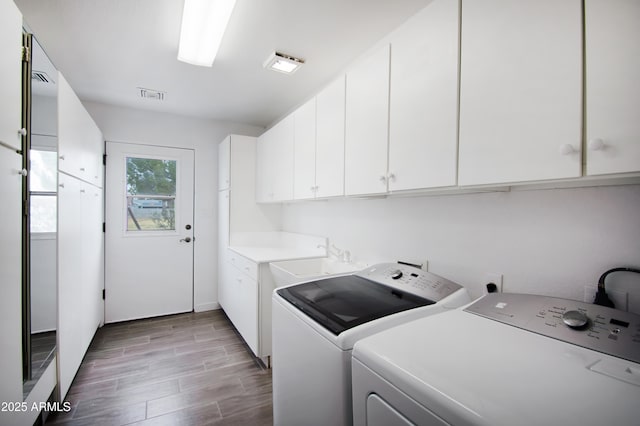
(575, 319)
(396, 275)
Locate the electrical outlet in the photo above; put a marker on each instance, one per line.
(492, 278)
(619, 298)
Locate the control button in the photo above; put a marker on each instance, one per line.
(396, 275)
(575, 319)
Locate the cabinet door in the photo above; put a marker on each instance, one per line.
(71, 308)
(330, 105)
(282, 160)
(423, 128)
(10, 275)
(304, 162)
(612, 31)
(520, 91)
(224, 161)
(367, 123)
(80, 142)
(223, 243)
(264, 176)
(10, 74)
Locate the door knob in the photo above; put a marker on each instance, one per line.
(186, 240)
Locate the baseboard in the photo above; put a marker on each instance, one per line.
(206, 307)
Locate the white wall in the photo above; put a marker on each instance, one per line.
(152, 128)
(551, 242)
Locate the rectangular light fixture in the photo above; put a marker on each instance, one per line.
(283, 63)
(203, 25)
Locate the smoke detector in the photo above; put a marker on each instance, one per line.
(156, 95)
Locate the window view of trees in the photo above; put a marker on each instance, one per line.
(151, 194)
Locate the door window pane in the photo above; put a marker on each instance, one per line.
(151, 194)
(42, 176)
(43, 213)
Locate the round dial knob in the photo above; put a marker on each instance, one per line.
(575, 319)
(396, 275)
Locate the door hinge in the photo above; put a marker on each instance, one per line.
(104, 159)
(25, 54)
(104, 227)
(103, 293)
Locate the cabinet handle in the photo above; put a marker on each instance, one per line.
(82, 169)
(392, 177)
(22, 172)
(567, 149)
(61, 185)
(61, 157)
(22, 132)
(596, 144)
(383, 179)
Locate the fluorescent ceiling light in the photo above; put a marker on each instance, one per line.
(203, 25)
(283, 63)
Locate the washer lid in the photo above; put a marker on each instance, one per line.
(344, 302)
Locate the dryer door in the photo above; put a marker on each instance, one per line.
(380, 413)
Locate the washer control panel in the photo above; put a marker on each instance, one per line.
(411, 279)
(594, 327)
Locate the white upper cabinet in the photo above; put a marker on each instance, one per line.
(274, 175)
(224, 164)
(80, 142)
(423, 126)
(10, 75)
(612, 34)
(330, 116)
(367, 124)
(520, 91)
(304, 170)
(319, 144)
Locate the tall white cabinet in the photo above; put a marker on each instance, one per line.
(242, 283)
(10, 211)
(520, 91)
(612, 31)
(80, 236)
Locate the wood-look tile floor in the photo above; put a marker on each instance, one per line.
(186, 369)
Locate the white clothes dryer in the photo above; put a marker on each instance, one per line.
(316, 323)
(506, 359)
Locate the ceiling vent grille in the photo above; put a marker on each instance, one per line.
(156, 95)
(41, 77)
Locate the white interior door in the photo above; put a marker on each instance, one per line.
(149, 231)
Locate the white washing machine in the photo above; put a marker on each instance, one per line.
(316, 323)
(506, 359)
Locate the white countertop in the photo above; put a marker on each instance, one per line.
(264, 247)
(274, 254)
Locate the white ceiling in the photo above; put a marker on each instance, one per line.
(106, 49)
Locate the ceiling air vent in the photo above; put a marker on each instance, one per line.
(151, 94)
(42, 77)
